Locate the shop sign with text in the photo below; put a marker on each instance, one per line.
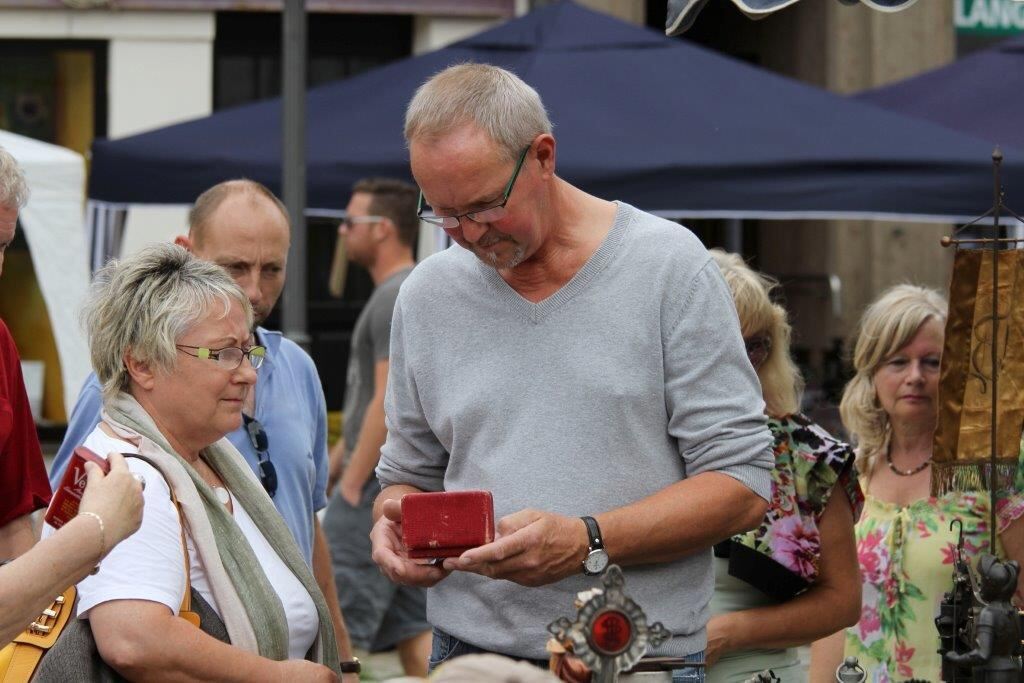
(994, 17)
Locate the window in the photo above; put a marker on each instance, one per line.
(247, 50)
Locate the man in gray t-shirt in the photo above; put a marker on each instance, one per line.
(580, 359)
(378, 232)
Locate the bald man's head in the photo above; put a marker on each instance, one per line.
(209, 201)
(241, 226)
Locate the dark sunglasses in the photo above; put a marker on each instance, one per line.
(258, 439)
(758, 350)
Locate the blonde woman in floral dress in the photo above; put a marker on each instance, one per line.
(904, 542)
(794, 578)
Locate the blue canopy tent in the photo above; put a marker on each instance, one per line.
(660, 123)
(981, 94)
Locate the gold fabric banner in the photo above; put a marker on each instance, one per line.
(963, 441)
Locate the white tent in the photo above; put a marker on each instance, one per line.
(53, 221)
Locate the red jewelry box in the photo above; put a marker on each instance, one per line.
(67, 496)
(447, 523)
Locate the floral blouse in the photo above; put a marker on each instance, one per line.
(906, 560)
(780, 556)
(779, 559)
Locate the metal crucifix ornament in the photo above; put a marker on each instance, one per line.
(610, 633)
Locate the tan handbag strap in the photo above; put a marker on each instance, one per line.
(186, 601)
(185, 611)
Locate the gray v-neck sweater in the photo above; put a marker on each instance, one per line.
(629, 378)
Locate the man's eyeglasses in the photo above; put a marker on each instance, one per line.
(758, 349)
(227, 358)
(258, 439)
(350, 222)
(488, 215)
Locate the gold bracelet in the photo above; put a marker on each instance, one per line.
(103, 536)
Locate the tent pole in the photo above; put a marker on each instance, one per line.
(733, 238)
(997, 191)
(293, 172)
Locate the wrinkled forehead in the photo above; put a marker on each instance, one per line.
(247, 227)
(220, 319)
(458, 169)
(467, 145)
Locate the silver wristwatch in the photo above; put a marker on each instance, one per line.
(596, 560)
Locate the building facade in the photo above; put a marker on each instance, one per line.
(72, 71)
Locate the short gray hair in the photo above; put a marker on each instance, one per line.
(496, 100)
(142, 304)
(13, 187)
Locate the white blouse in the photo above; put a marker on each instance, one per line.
(149, 564)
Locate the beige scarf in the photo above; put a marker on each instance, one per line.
(252, 612)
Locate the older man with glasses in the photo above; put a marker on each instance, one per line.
(241, 226)
(578, 358)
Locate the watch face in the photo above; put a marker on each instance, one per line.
(596, 562)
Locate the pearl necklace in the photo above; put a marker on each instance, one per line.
(905, 473)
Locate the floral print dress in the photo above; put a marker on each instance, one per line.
(906, 560)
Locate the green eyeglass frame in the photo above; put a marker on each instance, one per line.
(487, 215)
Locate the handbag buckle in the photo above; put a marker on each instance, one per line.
(40, 628)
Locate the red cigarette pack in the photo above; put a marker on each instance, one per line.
(447, 523)
(64, 504)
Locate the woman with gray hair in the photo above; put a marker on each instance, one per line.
(170, 337)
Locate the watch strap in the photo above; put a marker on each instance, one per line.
(351, 666)
(594, 532)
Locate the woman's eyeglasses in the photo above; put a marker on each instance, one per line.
(227, 358)
(258, 439)
(758, 349)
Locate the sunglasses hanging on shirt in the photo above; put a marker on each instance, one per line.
(258, 439)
